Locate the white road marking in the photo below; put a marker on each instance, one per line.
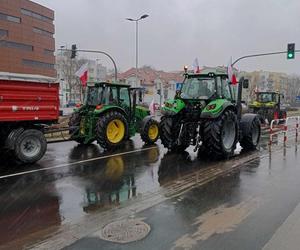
(75, 163)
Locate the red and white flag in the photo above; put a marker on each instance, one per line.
(82, 73)
(231, 75)
(196, 66)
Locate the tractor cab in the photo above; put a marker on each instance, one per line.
(203, 95)
(271, 98)
(207, 86)
(101, 94)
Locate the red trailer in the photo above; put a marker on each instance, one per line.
(27, 104)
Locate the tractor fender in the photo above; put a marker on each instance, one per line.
(220, 106)
(144, 122)
(110, 108)
(245, 123)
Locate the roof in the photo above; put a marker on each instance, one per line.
(207, 71)
(26, 77)
(148, 75)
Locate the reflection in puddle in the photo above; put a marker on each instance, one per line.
(34, 211)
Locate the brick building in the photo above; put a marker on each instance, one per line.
(27, 42)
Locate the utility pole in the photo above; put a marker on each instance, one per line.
(137, 44)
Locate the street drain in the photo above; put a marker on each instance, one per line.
(125, 231)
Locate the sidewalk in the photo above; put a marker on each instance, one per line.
(287, 235)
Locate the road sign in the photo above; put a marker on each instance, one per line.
(178, 85)
(298, 98)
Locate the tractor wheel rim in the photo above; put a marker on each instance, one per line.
(115, 131)
(153, 132)
(30, 147)
(228, 134)
(255, 135)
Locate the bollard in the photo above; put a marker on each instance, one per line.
(297, 128)
(285, 134)
(271, 134)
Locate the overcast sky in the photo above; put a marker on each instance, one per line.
(177, 31)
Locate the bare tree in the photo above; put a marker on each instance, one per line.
(68, 68)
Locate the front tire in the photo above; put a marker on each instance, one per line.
(30, 146)
(220, 135)
(111, 130)
(169, 132)
(150, 132)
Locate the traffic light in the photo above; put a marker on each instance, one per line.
(74, 51)
(159, 92)
(291, 51)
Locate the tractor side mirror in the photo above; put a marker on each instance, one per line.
(140, 96)
(246, 83)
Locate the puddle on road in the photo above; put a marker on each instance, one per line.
(219, 220)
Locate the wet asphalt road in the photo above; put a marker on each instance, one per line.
(83, 182)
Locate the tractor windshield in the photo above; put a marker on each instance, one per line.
(198, 88)
(94, 96)
(265, 97)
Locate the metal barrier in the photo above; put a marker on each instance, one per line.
(276, 128)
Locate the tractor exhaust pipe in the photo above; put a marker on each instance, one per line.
(243, 83)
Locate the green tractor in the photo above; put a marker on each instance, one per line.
(268, 106)
(111, 114)
(206, 114)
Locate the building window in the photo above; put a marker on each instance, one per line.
(10, 18)
(42, 32)
(37, 64)
(14, 45)
(36, 15)
(3, 33)
(48, 52)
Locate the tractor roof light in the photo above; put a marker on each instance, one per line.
(185, 69)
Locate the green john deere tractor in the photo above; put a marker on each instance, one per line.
(268, 106)
(111, 114)
(206, 114)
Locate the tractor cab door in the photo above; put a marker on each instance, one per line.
(125, 101)
(118, 96)
(225, 89)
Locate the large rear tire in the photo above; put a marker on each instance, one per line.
(30, 146)
(169, 132)
(74, 124)
(111, 130)
(251, 139)
(150, 131)
(220, 135)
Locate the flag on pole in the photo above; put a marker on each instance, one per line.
(196, 66)
(231, 75)
(82, 73)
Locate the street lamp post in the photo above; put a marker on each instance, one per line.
(136, 43)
